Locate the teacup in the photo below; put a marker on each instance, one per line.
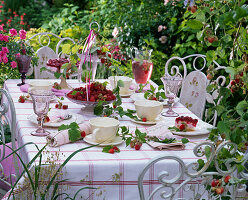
(104, 129)
(126, 83)
(40, 85)
(148, 109)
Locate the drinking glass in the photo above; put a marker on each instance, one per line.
(142, 66)
(41, 100)
(23, 63)
(172, 85)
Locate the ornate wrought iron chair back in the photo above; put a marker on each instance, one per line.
(193, 181)
(198, 65)
(7, 118)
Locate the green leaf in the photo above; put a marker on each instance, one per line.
(107, 148)
(73, 125)
(223, 127)
(231, 71)
(152, 88)
(242, 107)
(98, 109)
(74, 92)
(74, 134)
(64, 66)
(200, 163)
(184, 140)
(194, 24)
(207, 152)
(43, 69)
(128, 141)
(146, 94)
(57, 74)
(63, 127)
(160, 87)
(66, 49)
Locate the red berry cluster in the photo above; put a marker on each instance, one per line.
(187, 120)
(217, 185)
(61, 106)
(237, 83)
(57, 62)
(114, 149)
(97, 92)
(22, 99)
(136, 144)
(57, 86)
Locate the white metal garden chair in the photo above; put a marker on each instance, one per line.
(192, 182)
(193, 93)
(45, 52)
(9, 169)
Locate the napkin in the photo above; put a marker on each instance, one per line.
(162, 132)
(24, 88)
(134, 86)
(62, 137)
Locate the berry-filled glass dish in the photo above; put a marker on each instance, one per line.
(91, 95)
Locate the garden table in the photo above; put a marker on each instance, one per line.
(114, 175)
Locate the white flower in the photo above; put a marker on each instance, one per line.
(163, 39)
(115, 32)
(160, 28)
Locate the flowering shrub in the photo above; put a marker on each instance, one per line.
(11, 19)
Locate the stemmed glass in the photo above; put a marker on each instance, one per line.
(41, 100)
(23, 63)
(172, 85)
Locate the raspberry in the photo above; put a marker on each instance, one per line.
(115, 148)
(111, 151)
(144, 119)
(83, 134)
(57, 106)
(137, 147)
(65, 107)
(181, 127)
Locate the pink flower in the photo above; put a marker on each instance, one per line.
(2, 54)
(13, 32)
(160, 28)
(1, 28)
(1, 37)
(5, 59)
(115, 32)
(18, 55)
(13, 64)
(5, 50)
(22, 34)
(165, 2)
(5, 38)
(0, 59)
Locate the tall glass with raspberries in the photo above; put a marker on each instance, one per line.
(142, 66)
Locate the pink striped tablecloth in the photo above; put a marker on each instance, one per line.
(93, 168)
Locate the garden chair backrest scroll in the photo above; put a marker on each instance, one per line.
(189, 92)
(8, 171)
(184, 181)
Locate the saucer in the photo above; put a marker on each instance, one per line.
(128, 94)
(158, 119)
(90, 140)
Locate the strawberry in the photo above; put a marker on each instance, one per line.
(213, 184)
(233, 82)
(219, 190)
(21, 100)
(83, 134)
(154, 98)
(193, 9)
(92, 98)
(57, 106)
(237, 80)
(65, 107)
(111, 151)
(137, 147)
(226, 180)
(209, 76)
(144, 119)
(116, 148)
(114, 106)
(211, 39)
(182, 127)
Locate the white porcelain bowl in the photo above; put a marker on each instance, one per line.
(126, 81)
(148, 109)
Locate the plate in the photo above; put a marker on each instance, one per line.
(201, 129)
(75, 118)
(158, 119)
(140, 96)
(90, 140)
(130, 92)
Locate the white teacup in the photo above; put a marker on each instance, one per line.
(126, 81)
(148, 109)
(40, 85)
(104, 129)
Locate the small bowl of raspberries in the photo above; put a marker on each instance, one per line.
(97, 92)
(186, 123)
